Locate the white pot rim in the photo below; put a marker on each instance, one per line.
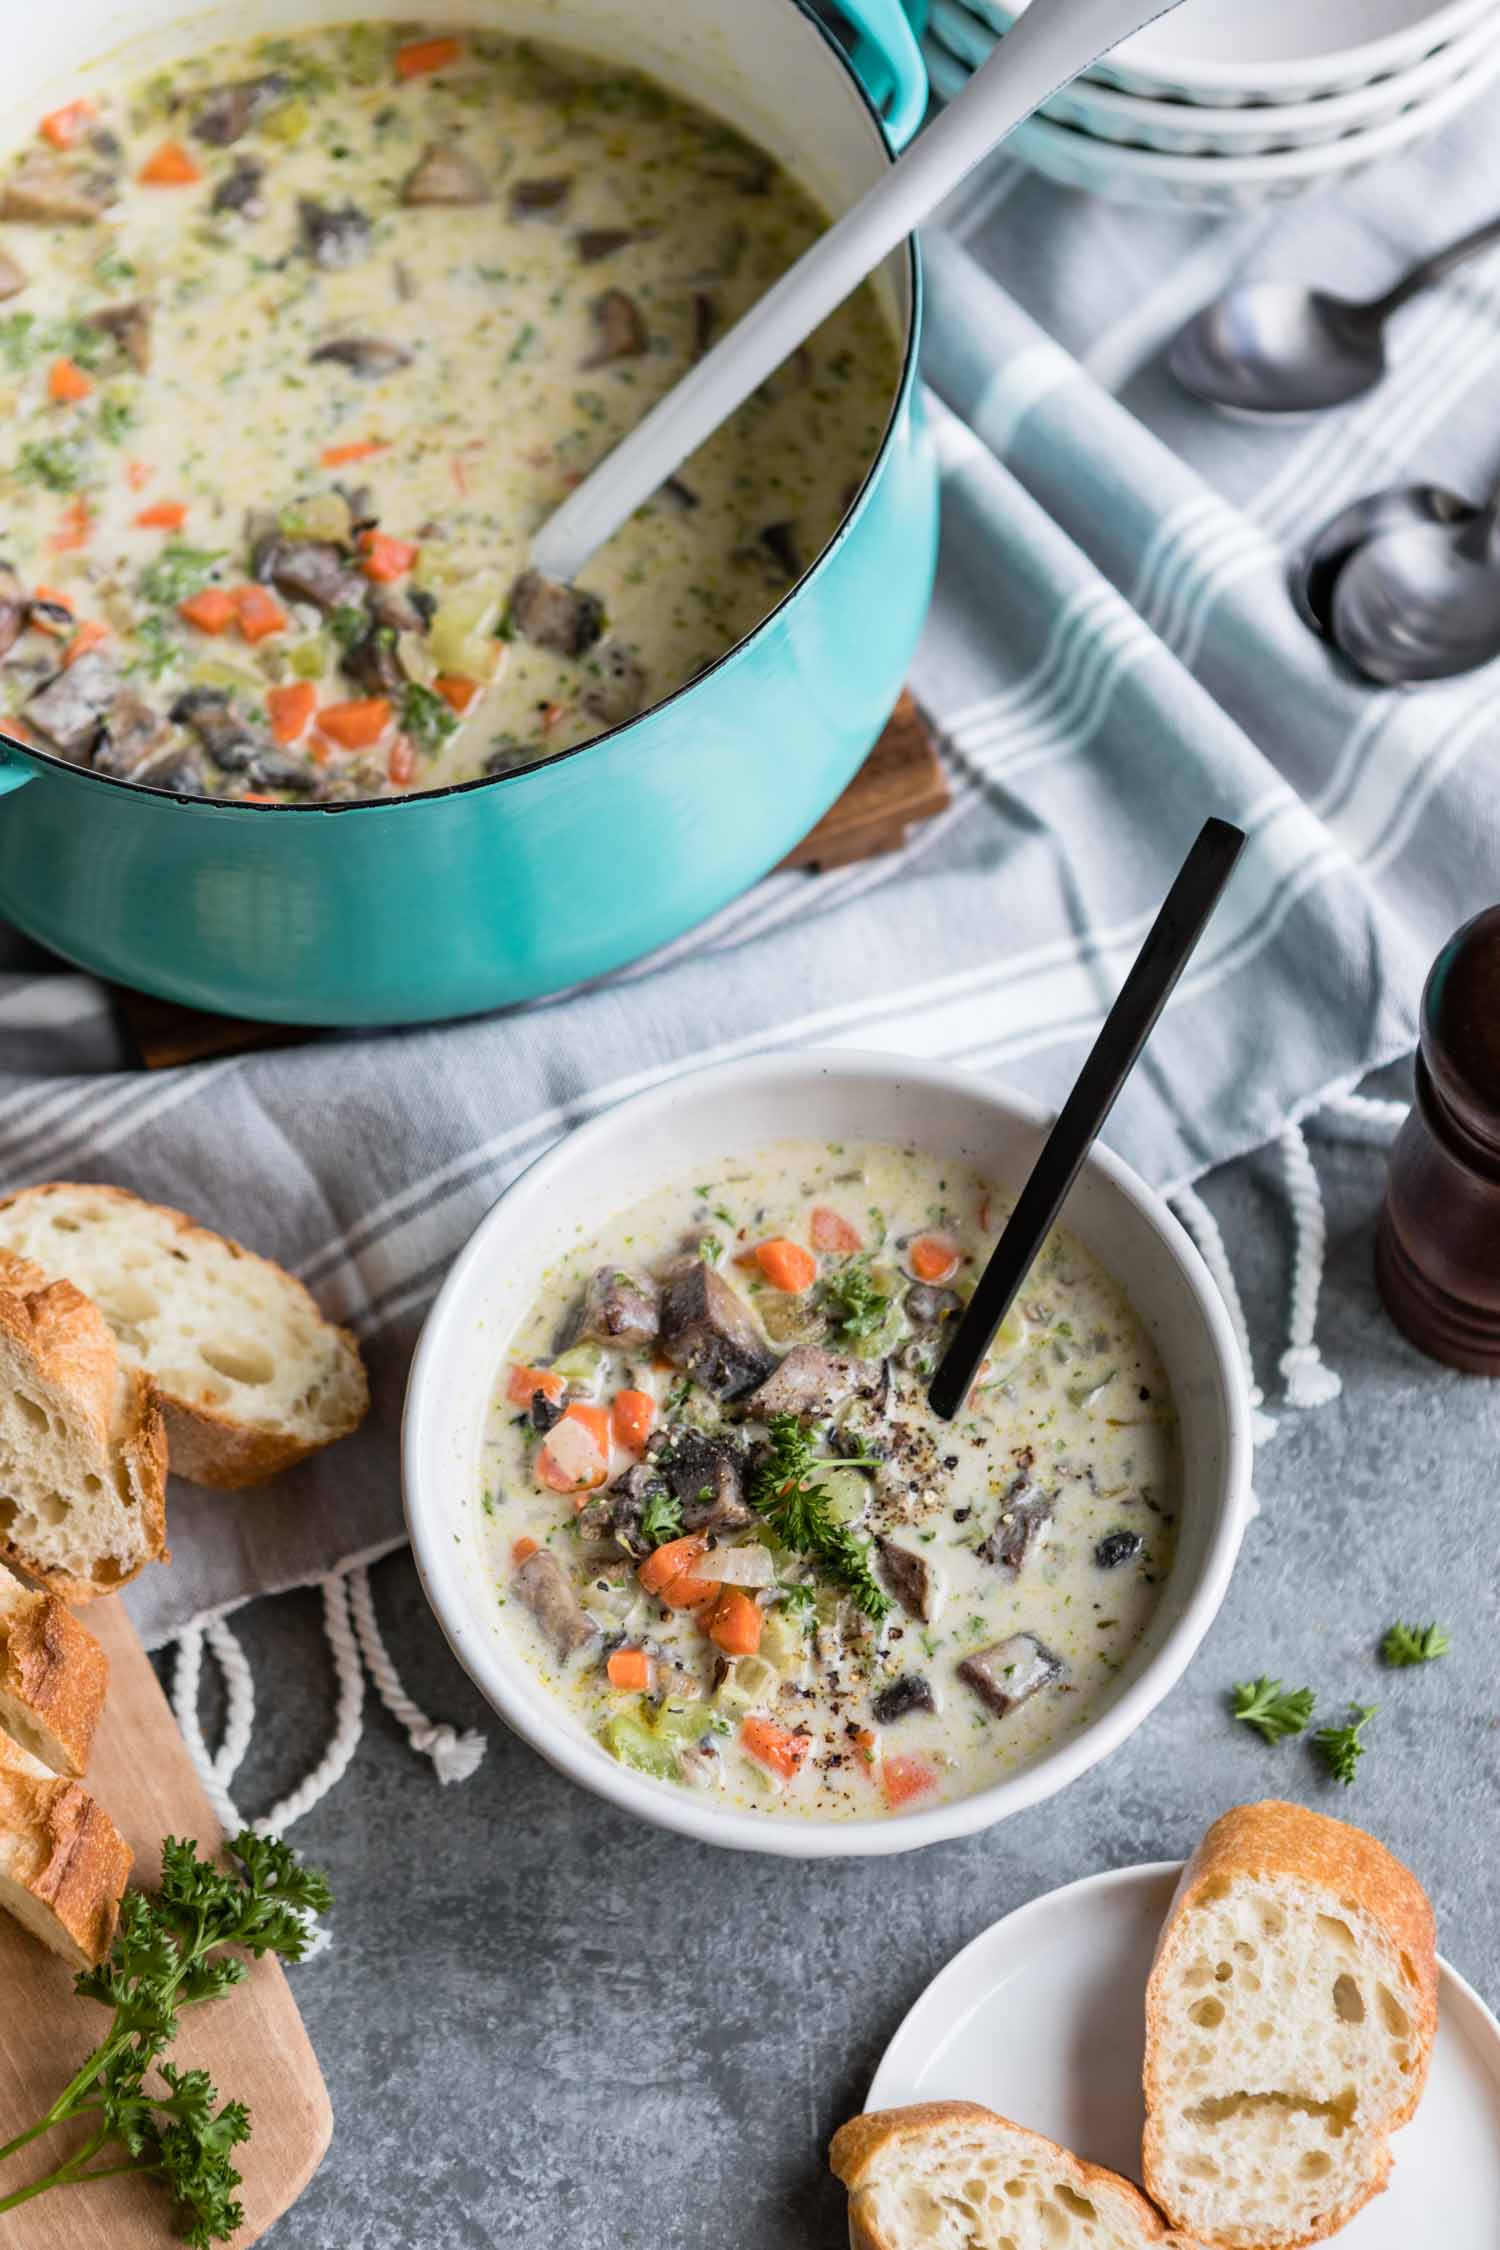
(430, 1513)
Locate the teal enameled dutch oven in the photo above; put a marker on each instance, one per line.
(445, 904)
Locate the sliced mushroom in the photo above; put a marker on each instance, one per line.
(541, 1585)
(131, 733)
(128, 326)
(535, 199)
(707, 1476)
(617, 690)
(332, 236)
(927, 1306)
(809, 1382)
(309, 570)
(619, 1307)
(229, 111)
(374, 663)
(595, 244)
(445, 175)
(619, 329)
(51, 194)
(709, 1332)
(179, 771)
(235, 746)
(1007, 1672)
(369, 356)
(402, 609)
(911, 1579)
(551, 614)
(70, 709)
(910, 1693)
(240, 190)
(1117, 1547)
(12, 277)
(1024, 1515)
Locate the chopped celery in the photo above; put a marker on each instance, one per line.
(324, 516)
(580, 1364)
(367, 54)
(309, 659)
(287, 122)
(462, 636)
(627, 1738)
(848, 1493)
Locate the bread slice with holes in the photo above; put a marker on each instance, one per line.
(1289, 2025)
(83, 1451)
(63, 1862)
(953, 2176)
(251, 1376)
(53, 1676)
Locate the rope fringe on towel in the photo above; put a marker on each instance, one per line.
(454, 1756)
(1360, 1117)
(1308, 1382)
(1204, 1229)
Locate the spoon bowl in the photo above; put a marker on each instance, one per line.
(1421, 602)
(1274, 347)
(1399, 508)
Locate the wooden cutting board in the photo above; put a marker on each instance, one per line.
(252, 2041)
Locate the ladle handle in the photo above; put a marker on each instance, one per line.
(1422, 275)
(1045, 47)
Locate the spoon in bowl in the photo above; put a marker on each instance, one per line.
(1419, 598)
(1044, 48)
(1279, 347)
(1168, 948)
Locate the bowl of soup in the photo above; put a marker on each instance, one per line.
(306, 325)
(685, 1515)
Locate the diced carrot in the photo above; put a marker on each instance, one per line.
(630, 1670)
(421, 56)
(163, 515)
(290, 709)
(904, 1778)
(456, 691)
(866, 1743)
(354, 726)
(169, 166)
(67, 383)
(633, 1413)
(357, 449)
(65, 127)
(89, 634)
(138, 473)
(523, 1383)
(255, 797)
(58, 600)
(258, 612)
(933, 1257)
(402, 762)
(524, 1549)
(774, 1746)
(15, 730)
(592, 1457)
(786, 1265)
(828, 1231)
(74, 529)
(688, 1591)
(667, 1562)
(385, 557)
(736, 1623)
(212, 611)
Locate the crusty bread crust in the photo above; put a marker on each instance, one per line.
(1273, 1839)
(59, 1332)
(856, 2146)
(53, 1676)
(63, 1862)
(208, 1445)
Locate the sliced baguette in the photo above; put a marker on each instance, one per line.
(83, 1453)
(953, 2176)
(53, 1677)
(251, 1376)
(63, 1862)
(1289, 2024)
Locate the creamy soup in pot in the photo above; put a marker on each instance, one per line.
(301, 341)
(728, 1533)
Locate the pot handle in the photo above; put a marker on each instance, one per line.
(889, 63)
(11, 774)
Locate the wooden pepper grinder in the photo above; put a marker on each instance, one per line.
(1437, 1256)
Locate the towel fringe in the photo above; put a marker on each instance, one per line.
(1360, 1117)
(1309, 1383)
(239, 1693)
(454, 1756)
(1204, 1229)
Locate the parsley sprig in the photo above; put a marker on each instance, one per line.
(168, 1955)
(784, 1490)
(1415, 1644)
(1272, 1710)
(1340, 1748)
(858, 1308)
(661, 1518)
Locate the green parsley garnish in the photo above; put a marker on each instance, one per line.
(783, 1490)
(857, 1306)
(1340, 1748)
(661, 1518)
(160, 653)
(167, 1956)
(1415, 1644)
(59, 463)
(178, 571)
(1272, 1710)
(116, 417)
(348, 623)
(426, 717)
(16, 341)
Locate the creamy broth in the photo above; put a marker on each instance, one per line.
(980, 1584)
(340, 320)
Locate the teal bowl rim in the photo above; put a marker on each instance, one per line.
(47, 761)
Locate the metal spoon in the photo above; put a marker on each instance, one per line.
(1420, 598)
(1317, 570)
(1279, 347)
(1148, 987)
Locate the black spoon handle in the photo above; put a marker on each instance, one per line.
(1114, 1055)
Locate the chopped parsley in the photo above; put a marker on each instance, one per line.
(348, 623)
(426, 717)
(661, 1518)
(1340, 1748)
(857, 1306)
(1272, 1710)
(1415, 1644)
(116, 416)
(59, 463)
(178, 571)
(159, 653)
(785, 1493)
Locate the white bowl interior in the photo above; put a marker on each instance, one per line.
(699, 1121)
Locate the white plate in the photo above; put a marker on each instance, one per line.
(1188, 129)
(1041, 2019)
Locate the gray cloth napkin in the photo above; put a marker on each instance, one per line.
(1111, 656)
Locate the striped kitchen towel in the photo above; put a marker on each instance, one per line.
(1111, 656)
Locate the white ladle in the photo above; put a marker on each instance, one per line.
(1046, 46)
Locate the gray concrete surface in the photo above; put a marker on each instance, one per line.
(543, 2024)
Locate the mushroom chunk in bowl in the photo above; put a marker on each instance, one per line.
(687, 1516)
